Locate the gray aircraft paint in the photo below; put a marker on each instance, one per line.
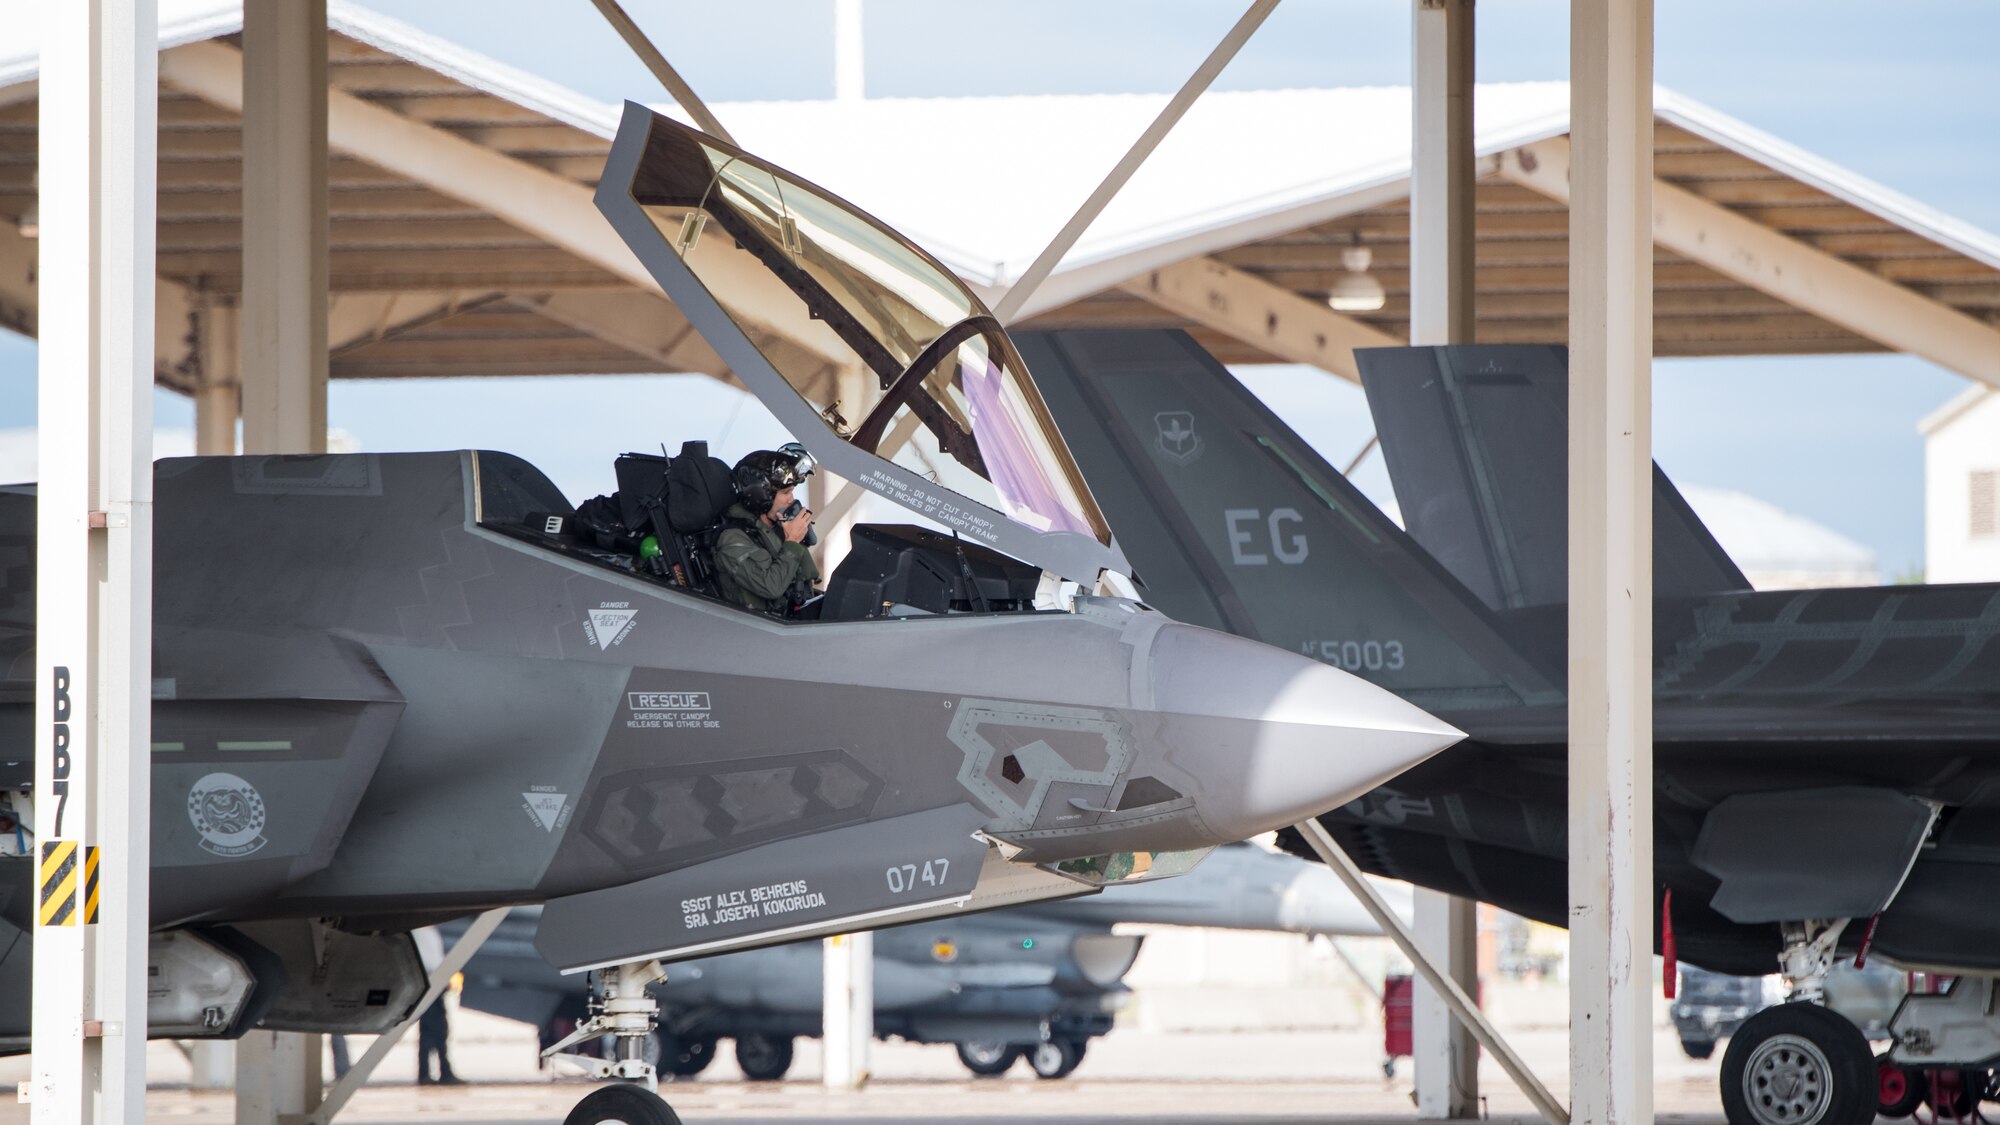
(477, 640)
(1771, 851)
(1480, 475)
(392, 699)
(781, 889)
(481, 733)
(943, 979)
(1781, 694)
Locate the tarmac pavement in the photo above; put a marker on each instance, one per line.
(1214, 1077)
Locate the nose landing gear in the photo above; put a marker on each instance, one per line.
(621, 1007)
(1799, 1063)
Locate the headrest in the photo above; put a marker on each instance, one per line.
(699, 489)
(642, 477)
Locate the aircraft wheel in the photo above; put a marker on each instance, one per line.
(1698, 1048)
(688, 1057)
(989, 1058)
(623, 1105)
(1055, 1058)
(1899, 1090)
(1798, 1064)
(764, 1058)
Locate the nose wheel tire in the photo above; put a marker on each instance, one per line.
(764, 1058)
(622, 1105)
(989, 1058)
(1055, 1058)
(1799, 1064)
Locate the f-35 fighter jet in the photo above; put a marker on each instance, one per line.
(392, 689)
(1827, 762)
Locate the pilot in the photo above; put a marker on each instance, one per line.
(760, 557)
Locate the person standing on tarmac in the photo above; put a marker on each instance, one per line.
(434, 1027)
(761, 559)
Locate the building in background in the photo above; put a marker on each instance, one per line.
(1962, 488)
(1777, 549)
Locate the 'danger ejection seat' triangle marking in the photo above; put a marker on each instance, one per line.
(607, 627)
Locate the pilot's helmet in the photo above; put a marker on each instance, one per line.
(761, 475)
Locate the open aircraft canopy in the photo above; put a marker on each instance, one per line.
(943, 418)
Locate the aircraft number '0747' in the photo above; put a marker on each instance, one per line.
(908, 876)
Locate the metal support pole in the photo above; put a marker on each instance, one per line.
(1610, 561)
(1445, 1057)
(847, 1019)
(284, 359)
(282, 362)
(1442, 183)
(1011, 303)
(94, 561)
(278, 1077)
(657, 63)
(218, 395)
(1329, 851)
(1443, 179)
(212, 1064)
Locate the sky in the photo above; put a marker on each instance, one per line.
(1909, 100)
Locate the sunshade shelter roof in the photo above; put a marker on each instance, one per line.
(462, 240)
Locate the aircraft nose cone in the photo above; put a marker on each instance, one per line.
(1279, 737)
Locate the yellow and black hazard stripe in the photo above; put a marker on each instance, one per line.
(59, 880)
(90, 885)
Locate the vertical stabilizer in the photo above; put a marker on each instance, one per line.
(1476, 438)
(1233, 522)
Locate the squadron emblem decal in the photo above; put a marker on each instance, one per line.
(229, 813)
(609, 624)
(1177, 441)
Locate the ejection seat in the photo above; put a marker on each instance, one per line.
(699, 489)
(676, 501)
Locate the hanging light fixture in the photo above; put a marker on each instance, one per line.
(1356, 290)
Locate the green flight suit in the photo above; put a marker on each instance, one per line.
(758, 568)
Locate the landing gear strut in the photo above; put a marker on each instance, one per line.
(1799, 1063)
(620, 1007)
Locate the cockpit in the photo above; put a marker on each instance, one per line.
(877, 358)
(869, 351)
(661, 524)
